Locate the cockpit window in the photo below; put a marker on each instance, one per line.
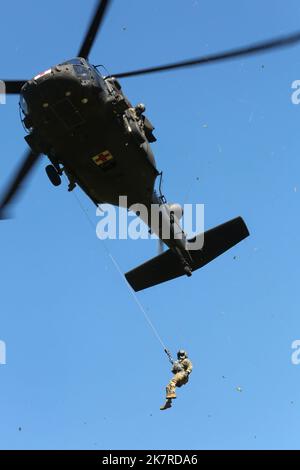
(85, 71)
(24, 105)
(98, 77)
(76, 61)
(80, 67)
(82, 72)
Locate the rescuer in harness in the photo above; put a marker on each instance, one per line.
(181, 370)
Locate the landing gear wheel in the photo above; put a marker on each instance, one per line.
(53, 175)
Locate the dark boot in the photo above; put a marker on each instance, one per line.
(167, 405)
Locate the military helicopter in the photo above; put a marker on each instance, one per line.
(86, 126)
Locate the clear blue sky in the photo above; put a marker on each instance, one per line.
(83, 368)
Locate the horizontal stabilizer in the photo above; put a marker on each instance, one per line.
(167, 265)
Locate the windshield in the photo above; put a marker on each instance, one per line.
(24, 105)
(82, 71)
(76, 61)
(80, 67)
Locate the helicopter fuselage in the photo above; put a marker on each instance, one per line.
(88, 129)
(85, 124)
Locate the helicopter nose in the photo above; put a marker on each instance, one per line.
(50, 86)
(54, 95)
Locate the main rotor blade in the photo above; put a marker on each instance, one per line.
(13, 87)
(95, 24)
(16, 182)
(251, 49)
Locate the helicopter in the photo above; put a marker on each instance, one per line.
(87, 127)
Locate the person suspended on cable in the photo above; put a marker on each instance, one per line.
(181, 370)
